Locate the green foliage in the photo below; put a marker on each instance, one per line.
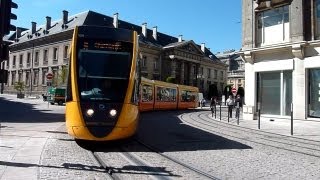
(19, 86)
(171, 79)
(61, 80)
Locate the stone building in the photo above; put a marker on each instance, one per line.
(41, 49)
(235, 72)
(280, 46)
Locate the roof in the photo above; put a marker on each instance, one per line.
(94, 18)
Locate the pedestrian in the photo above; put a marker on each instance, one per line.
(203, 103)
(230, 104)
(237, 101)
(213, 104)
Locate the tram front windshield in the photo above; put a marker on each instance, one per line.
(103, 75)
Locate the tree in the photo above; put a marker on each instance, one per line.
(19, 86)
(171, 79)
(61, 80)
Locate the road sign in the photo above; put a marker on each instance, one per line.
(234, 90)
(49, 76)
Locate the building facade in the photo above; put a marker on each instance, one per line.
(235, 72)
(42, 49)
(280, 47)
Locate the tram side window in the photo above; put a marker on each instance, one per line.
(147, 94)
(166, 94)
(188, 96)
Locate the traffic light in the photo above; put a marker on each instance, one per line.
(6, 16)
(4, 52)
(3, 76)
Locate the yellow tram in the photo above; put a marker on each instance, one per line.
(103, 84)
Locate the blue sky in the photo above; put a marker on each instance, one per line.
(215, 23)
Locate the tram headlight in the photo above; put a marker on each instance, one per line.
(113, 112)
(90, 112)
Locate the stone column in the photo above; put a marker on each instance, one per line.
(191, 76)
(296, 20)
(173, 68)
(298, 90)
(250, 88)
(182, 73)
(247, 24)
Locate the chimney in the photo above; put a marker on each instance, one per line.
(144, 29)
(203, 47)
(48, 24)
(65, 17)
(34, 27)
(115, 20)
(18, 34)
(180, 38)
(155, 33)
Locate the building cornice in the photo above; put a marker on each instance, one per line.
(296, 48)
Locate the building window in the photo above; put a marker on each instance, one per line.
(215, 74)
(55, 54)
(314, 93)
(35, 78)
(8, 62)
(13, 78)
(239, 80)
(20, 60)
(36, 58)
(65, 52)
(156, 62)
(209, 73)
(27, 82)
(194, 70)
(144, 62)
(45, 56)
(221, 75)
(14, 62)
(201, 71)
(55, 79)
(44, 73)
(317, 14)
(273, 26)
(28, 59)
(20, 77)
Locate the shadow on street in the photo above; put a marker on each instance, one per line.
(18, 112)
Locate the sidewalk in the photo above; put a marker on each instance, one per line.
(305, 129)
(23, 135)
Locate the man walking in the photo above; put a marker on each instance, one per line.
(230, 104)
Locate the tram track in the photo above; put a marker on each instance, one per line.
(258, 137)
(136, 165)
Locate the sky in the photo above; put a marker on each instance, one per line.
(215, 23)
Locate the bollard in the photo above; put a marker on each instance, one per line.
(258, 115)
(291, 119)
(211, 107)
(215, 111)
(238, 112)
(228, 115)
(220, 111)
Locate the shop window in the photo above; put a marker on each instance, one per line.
(314, 93)
(273, 26)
